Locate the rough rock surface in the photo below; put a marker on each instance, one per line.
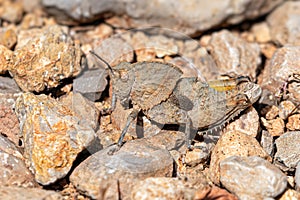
(102, 175)
(288, 151)
(8, 85)
(284, 23)
(11, 11)
(12, 193)
(8, 38)
(252, 177)
(282, 69)
(233, 144)
(186, 17)
(297, 176)
(234, 55)
(45, 60)
(5, 55)
(53, 136)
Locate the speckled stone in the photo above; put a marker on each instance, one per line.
(53, 136)
(233, 144)
(252, 177)
(45, 60)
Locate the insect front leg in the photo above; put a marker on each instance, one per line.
(132, 116)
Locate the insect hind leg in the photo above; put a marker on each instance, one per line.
(132, 116)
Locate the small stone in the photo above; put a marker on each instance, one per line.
(284, 23)
(53, 136)
(232, 54)
(8, 85)
(274, 126)
(45, 60)
(11, 11)
(268, 50)
(196, 157)
(247, 123)
(158, 188)
(288, 151)
(272, 113)
(106, 176)
(8, 38)
(261, 32)
(91, 83)
(83, 109)
(283, 66)
(293, 122)
(5, 56)
(252, 177)
(113, 50)
(12, 193)
(230, 144)
(8, 147)
(9, 123)
(286, 108)
(32, 20)
(267, 142)
(214, 193)
(297, 177)
(290, 195)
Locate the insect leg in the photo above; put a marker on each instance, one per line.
(188, 126)
(132, 116)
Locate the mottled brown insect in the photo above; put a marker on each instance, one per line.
(165, 97)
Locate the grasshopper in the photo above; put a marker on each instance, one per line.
(165, 97)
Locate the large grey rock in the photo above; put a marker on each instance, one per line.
(288, 151)
(103, 175)
(252, 177)
(188, 17)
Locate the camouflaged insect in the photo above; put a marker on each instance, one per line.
(165, 97)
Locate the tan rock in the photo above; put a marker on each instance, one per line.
(274, 126)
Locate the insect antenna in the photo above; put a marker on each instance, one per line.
(106, 63)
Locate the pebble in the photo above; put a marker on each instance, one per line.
(281, 69)
(105, 176)
(261, 32)
(293, 122)
(286, 108)
(13, 193)
(5, 55)
(8, 38)
(252, 177)
(233, 143)
(247, 123)
(284, 23)
(274, 126)
(45, 60)
(84, 109)
(288, 151)
(53, 136)
(267, 142)
(11, 11)
(91, 83)
(234, 55)
(8, 85)
(297, 177)
(290, 195)
(184, 17)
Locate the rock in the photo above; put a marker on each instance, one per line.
(11, 11)
(247, 123)
(5, 56)
(8, 147)
(274, 126)
(281, 70)
(233, 144)
(293, 122)
(45, 60)
(159, 188)
(261, 32)
(284, 23)
(288, 151)
(272, 113)
(252, 177)
(286, 108)
(297, 177)
(234, 55)
(84, 109)
(214, 193)
(106, 176)
(113, 50)
(8, 38)
(53, 136)
(13, 172)
(9, 123)
(267, 142)
(290, 195)
(12, 193)
(181, 16)
(91, 83)
(8, 85)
